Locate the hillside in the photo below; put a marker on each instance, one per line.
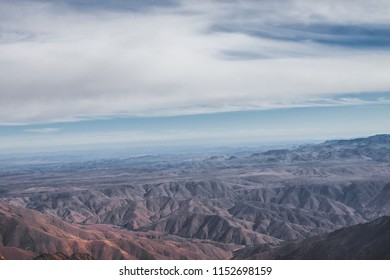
(25, 234)
(368, 241)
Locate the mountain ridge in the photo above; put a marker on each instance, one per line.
(369, 241)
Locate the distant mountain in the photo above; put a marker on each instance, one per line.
(369, 241)
(376, 148)
(376, 139)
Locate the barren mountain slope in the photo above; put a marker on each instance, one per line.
(27, 233)
(364, 241)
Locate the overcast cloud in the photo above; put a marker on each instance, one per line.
(74, 60)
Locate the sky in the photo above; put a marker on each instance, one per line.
(92, 73)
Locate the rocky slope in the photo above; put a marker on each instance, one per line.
(25, 234)
(369, 241)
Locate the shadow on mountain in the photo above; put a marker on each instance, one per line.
(368, 241)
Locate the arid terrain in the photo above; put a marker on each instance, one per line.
(305, 202)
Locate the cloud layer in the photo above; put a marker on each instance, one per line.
(73, 60)
(45, 130)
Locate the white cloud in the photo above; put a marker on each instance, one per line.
(45, 130)
(61, 65)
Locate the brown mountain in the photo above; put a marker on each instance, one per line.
(25, 234)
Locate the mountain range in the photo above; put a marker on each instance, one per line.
(250, 204)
